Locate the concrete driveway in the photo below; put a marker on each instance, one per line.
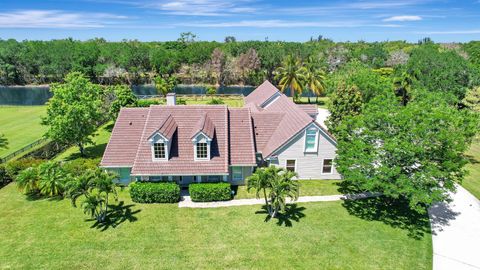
(456, 232)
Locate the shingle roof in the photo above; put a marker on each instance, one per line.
(265, 124)
(167, 127)
(181, 161)
(263, 92)
(242, 147)
(204, 125)
(123, 144)
(310, 109)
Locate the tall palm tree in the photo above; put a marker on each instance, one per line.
(291, 75)
(314, 77)
(105, 185)
(27, 180)
(283, 186)
(260, 182)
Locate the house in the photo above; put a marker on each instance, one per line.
(212, 143)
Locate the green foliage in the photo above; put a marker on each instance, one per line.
(165, 85)
(74, 111)
(95, 187)
(291, 75)
(149, 192)
(314, 77)
(276, 184)
(51, 179)
(14, 167)
(181, 101)
(211, 90)
(445, 72)
(344, 102)
(209, 192)
(412, 152)
(472, 99)
(3, 141)
(4, 178)
(124, 97)
(27, 181)
(147, 102)
(215, 101)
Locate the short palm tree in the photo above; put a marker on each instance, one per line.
(283, 186)
(260, 182)
(27, 180)
(105, 185)
(314, 78)
(52, 179)
(291, 75)
(93, 206)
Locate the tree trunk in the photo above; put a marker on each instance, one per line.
(106, 208)
(266, 202)
(309, 99)
(82, 149)
(316, 99)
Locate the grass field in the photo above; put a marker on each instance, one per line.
(51, 234)
(472, 181)
(21, 126)
(322, 101)
(307, 188)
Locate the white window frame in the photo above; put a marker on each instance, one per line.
(201, 138)
(166, 145)
(331, 166)
(286, 162)
(233, 173)
(155, 150)
(317, 134)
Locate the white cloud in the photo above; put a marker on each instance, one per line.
(451, 32)
(403, 18)
(203, 7)
(56, 19)
(284, 24)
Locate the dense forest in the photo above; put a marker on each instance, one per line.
(193, 62)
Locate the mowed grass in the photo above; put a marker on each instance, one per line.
(51, 234)
(307, 188)
(472, 181)
(203, 100)
(21, 126)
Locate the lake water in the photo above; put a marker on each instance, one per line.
(39, 95)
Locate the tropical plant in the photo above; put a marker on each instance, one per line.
(3, 141)
(51, 179)
(403, 85)
(276, 184)
(95, 186)
(472, 99)
(124, 96)
(165, 85)
(27, 180)
(291, 75)
(314, 78)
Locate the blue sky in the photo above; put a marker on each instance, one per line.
(147, 20)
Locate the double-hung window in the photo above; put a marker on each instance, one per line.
(159, 150)
(290, 165)
(311, 138)
(327, 166)
(202, 150)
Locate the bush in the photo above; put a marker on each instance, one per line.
(181, 101)
(147, 192)
(208, 192)
(211, 90)
(4, 178)
(215, 101)
(147, 102)
(14, 167)
(80, 165)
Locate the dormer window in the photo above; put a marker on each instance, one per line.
(159, 150)
(311, 139)
(202, 150)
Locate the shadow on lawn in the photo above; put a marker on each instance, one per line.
(91, 151)
(292, 213)
(117, 215)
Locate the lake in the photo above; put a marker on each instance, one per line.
(39, 95)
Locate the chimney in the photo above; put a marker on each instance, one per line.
(171, 99)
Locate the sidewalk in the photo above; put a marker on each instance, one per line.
(187, 201)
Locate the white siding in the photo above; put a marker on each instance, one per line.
(308, 165)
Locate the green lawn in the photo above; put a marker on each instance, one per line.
(307, 188)
(51, 234)
(232, 102)
(21, 126)
(322, 101)
(472, 181)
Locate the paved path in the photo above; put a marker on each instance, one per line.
(456, 232)
(187, 201)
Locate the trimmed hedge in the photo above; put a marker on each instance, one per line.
(148, 192)
(208, 192)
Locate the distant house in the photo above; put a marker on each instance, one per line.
(212, 143)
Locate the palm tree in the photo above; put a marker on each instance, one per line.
(260, 182)
(404, 84)
(291, 75)
(52, 179)
(105, 185)
(314, 78)
(282, 186)
(27, 180)
(92, 205)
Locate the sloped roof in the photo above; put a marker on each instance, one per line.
(168, 126)
(123, 144)
(181, 160)
(204, 125)
(261, 94)
(310, 109)
(242, 146)
(265, 124)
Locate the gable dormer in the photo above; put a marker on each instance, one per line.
(202, 137)
(161, 139)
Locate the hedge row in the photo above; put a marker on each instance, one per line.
(208, 192)
(148, 192)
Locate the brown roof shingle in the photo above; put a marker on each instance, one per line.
(261, 94)
(204, 125)
(242, 146)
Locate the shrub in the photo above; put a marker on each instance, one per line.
(147, 192)
(4, 177)
(181, 101)
(80, 165)
(215, 101)
(208, 192)
(14, 167)
(147, 102)
(211, 90)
